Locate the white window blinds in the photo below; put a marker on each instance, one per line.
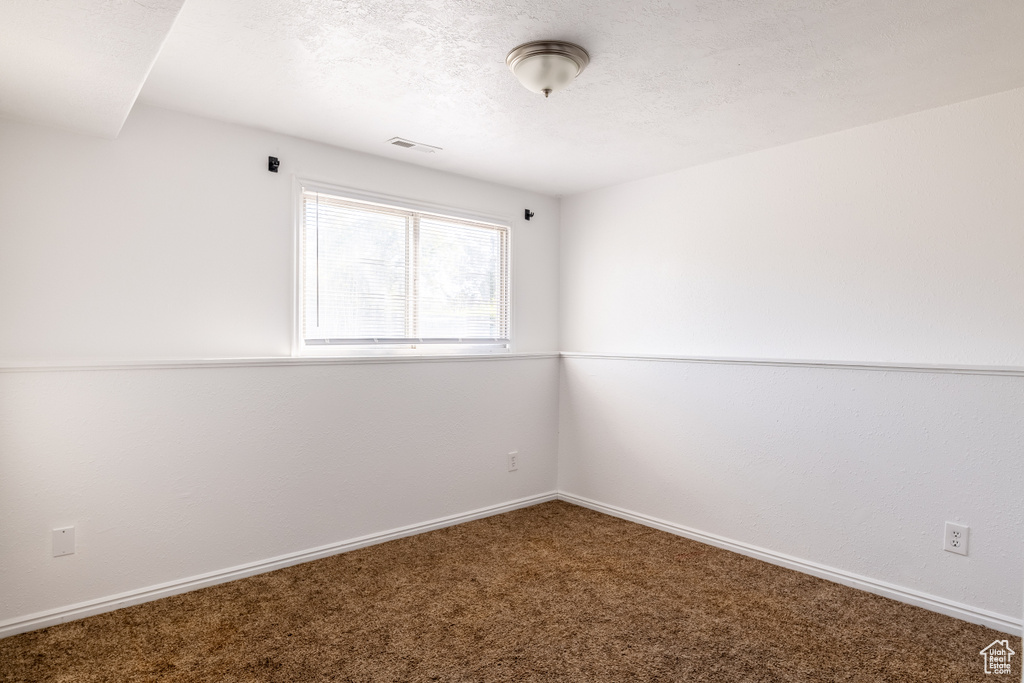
(384, 276)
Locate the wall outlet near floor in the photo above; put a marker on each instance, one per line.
(956, 538)
(513, 461)
(63, 541)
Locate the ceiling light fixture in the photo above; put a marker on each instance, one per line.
(545, 66)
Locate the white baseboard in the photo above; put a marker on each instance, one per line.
(910, 596)
(88, 608)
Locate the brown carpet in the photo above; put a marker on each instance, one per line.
(550, 593)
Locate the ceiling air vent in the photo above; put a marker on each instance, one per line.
(415, 146)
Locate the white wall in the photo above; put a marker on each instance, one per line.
(856, 470)
(899, 242)
(175, 242)
(172, 473)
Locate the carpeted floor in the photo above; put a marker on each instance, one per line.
(549, 593)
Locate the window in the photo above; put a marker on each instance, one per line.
(386, 277)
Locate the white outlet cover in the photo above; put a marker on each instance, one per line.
(513, 461)
(956, 538)
(63, 541)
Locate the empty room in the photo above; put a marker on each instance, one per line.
(485, 341)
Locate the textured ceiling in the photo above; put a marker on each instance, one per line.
(78, 63)
(670, 84)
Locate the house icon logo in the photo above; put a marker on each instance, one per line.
(997, 657)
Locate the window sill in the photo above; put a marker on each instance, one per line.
(381, 350)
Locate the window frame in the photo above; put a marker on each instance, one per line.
(299, 346)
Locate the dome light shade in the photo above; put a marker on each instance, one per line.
(544, 66)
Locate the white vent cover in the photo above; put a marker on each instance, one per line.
(415, 146)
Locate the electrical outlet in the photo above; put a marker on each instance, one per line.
(956, 538)
(63, 541)
(513, 461)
